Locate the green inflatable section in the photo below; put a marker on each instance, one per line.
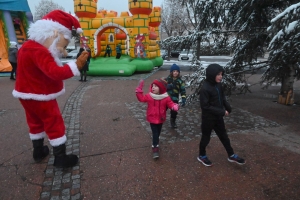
(125, 66)
(158, 61)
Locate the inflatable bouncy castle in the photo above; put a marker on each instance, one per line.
(136, 34)
(15, 17)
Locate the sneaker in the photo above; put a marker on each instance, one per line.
(235, 158)
(155, 151)
(204, 160)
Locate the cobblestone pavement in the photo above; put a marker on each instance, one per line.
(189, 122)
(66, 183)
(62, 183)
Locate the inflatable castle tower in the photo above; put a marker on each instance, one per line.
(137, 34)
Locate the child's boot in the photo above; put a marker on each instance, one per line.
(63, 160)
(155, 151)
(39, 150)
(173, 123)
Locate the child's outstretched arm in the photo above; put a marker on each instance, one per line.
(139, 92)
(139, 88)
(171, 105)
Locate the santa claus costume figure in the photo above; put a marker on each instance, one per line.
(40, 82)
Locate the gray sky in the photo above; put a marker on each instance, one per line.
(116, 5)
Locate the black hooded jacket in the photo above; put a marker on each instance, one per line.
(212, 99)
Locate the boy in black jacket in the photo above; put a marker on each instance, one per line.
(214, 106)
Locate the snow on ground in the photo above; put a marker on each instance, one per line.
(185, 63)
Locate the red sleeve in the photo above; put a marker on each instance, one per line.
(170, 103)
(49, 67)
(141, 97)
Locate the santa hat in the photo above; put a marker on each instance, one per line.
(64, 19)
(161, 84)
(55, 20)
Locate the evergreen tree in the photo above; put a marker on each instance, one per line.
(247, 22)
(284, 51)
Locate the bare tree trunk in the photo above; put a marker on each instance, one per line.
(169, 54)
(286, 94)
(198, 48)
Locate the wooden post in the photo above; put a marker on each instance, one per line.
(289, 97)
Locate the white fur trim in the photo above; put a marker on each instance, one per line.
(79, 30)
(58, 141)
(43, 29)
(159, 96)
(38, 97)
(37, 136)
(74, 68)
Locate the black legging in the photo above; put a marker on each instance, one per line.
(156, 129)
(14, 70)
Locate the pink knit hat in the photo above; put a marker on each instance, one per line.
(161, 84)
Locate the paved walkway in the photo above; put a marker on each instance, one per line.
(106, 127)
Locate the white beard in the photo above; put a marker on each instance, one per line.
(56, 54)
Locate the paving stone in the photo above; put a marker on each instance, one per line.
(68, 181)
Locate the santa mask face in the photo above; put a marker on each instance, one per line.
(58, 46)
(61, 45)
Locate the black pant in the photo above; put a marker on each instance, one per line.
(14, 69)
(219, 127)
(106, 54)
(118, 56)
(156, 129)
(83, 74)
(173, 114)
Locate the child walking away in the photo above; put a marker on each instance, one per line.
(175, 88)
(214, 106)
(158, 101)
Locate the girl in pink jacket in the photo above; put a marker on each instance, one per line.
(158, 101)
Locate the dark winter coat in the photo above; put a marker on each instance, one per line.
(108, 49)
(118, 48)
(12, 54)
(212, 99)
(175, 87)
(86, 66)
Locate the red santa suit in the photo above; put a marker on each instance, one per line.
(40, 79)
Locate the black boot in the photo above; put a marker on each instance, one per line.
(63, 160)
(39, 150)
(173, 123)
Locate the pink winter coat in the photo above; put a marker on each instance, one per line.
(157, 106)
